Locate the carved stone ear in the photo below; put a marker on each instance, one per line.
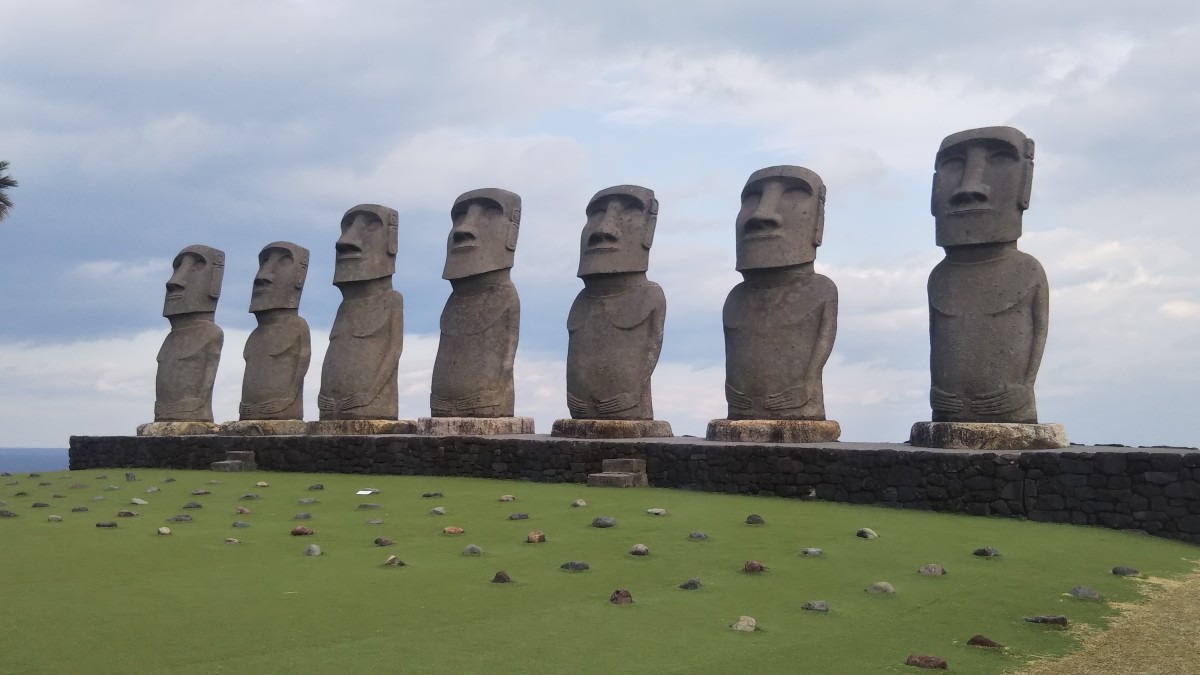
(218, 275)
(819, 230)
(651, 223)
(393, 239)
(514, 226)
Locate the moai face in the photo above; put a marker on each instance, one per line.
(981, 185)
(782, 219)
(195, 285)
(367, 248)
(483, 234)
(619, 231)
(282, 268)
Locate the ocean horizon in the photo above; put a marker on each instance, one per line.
(22, 460)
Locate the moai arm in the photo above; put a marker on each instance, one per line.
(941, 401)
(389, 361)
(654, 309)
(213, 353)
(826, 334)
(304, 344)
(1014, 396)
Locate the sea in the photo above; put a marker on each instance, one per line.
(22, 460)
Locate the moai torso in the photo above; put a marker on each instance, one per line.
(473, 371)
(187, 369)
(358, 378)
(277, 356)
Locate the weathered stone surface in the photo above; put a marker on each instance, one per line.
(697, 536)
(5, 513)
(773, 431)
(188, 359)
(657, 512)
(312, 550)
(302, 516)
(430, 495)
(518, 516)
(472, 549)
(1084, 593)
(54, 519)
(152, 489)
(240, 524)
(604, 429)
(262, 484)
(292, 427)
(108, 524)
(193, 505)
(137, 501)
(988, 436)
(361, 427)
(452, 530)
(474, 426)
(129, 477)
(164, 530)
(691, 584)
(604, 521)
(617, 480)
(812, 552)
(437, 511)
(241, 510)
(507, 498)
(620, 597)
(745, 624)
(249, 497)
(984, 641)
(358, 378)
(278, 351)
(578, 503)
(1121, 570)
(926, 661)
(40, 505)
(315, 486)
(383, 541)
(535, 537)
(305, 501)
(575, 566)
(177, 429)
(880, 588)
(815, 606)
(753, 567)
(755, 519)
(369, 505)
(1052, 619)
(986, 552)
(179, 518)
(866, 533)
(931, 570)
(374, 521)
(125, 513)
(501, 578)
(623, 465)
(232, 540)
(639, 550)
(301, 531)
(393, 561)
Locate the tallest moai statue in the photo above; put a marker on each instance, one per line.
(988, 302)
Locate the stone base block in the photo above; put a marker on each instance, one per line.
(572, 428)
(617, 479)
(177, 429)
(474, 426)
(228, 465)
(988, 436)
(623, 465)
(264, 428)
(361, 427)
(773, 431)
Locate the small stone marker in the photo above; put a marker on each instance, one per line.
(316, 486)
(308, 500)
(925, 661)
(41, 505)
(112, 488)
(812, 551)
(753, 567)
(620, 597)
(393, 561)
(437, 511)
(578, 503)
(691, 584)
(45, 484)
(932, 570)
(164, 530)
(431, 494)
(312, 550)
(305, 515)
(1085, 593)
(984, 641)
(507, 498)
(472, 549)
(193, 505)
(697, 536)
(240, 524)
(501, 578)
(986, 552)
(152, 489)
(249, 496)
(181, 518)
(383, 541)
(301, 531)
(232, 540)
(196, 493)
(815, 606)
(108, 524)
(755, 519)
(745, 624)
(639, 549)
(1122, 571)
(54, 519)
(262, 483)
(97, 498)
(657, 512)
(1052, 619)
(535, 537)
(138, 501)
(375, 521)
(130, 476)
(866, 533)
(575, 566)
(126, 514)
(452, 529)
(604, 521)
(241, 510)
(880, 588)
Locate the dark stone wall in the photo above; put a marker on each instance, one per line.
(1154, 490)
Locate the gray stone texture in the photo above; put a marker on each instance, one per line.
(615, 325)
(474, 426)
(592, 428)
(988, 301)
(773, 431)
(358, 378)
(278, 351)
(188, 359)
(480, 324)
(988, 436)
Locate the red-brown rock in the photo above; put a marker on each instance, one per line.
(620, 597)
(301, 531)
(753, 567)
(923, 661)
(984, 641)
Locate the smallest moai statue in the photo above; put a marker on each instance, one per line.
(188, 359)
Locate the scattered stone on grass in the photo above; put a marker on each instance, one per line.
(1051, 619)
(241, 510)
(199, 493)
(604, 521)
(472, 549)
(986, 552)
(169, 480)
(393, 561)
(106, 524)
(312, 550)
(578, 503)
(126, 513)
(54, 519)
(697, 536)
(79, 509)
(501, 578)
(620, 597)
(301, 531)
(815, 606)
(519, 516)
(880, 588)
(5, 513)
(232, 540)
(383, 541)
(152, 489)
(180, 518)
(431, 494)
(452, 529)
(249, 496)
(240, 523)
(304, 515)
(316, 486)
(575, 566)
(138, 501)
(926, 661)
(1122, 571)
(984, 641)
(639, 549)
(112, 488)
(262, 483)
(437, 511)
(1084, 593)
(26, 494)
(535, 537)
(77, 486)
(98, 498)
(368, 505)
(35, 475)
(691, 584)
(193, 505)
(755, 519)
(45, 484)
(932, 570)
(130, 476)
(745, 624)
(866, 533)
(308, 500)
(753, 567)
(164, 530)
(507, 498)
(374, 521)
(812, 552)
(41, 505)
(657, 512)
(58, 496)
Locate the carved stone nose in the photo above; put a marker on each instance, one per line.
(976, 195)
(463, 237)
(261, 282)
(173, 287)
(598, 238)
(346, 247)
(761, 224)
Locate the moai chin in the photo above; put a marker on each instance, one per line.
(278, 352)
(473, 371)
(188, 359)
(615, 326)
(988, 301)
(358, 378)
(781, 321)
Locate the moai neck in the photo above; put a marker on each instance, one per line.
(359, 290)
(771, 277)
(977, 253)
(601, 285)
(478, 283)
(191, 319)
(267, 317)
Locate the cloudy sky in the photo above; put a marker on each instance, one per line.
(136, 128)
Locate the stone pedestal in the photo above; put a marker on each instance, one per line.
(474, 426)
(264, 428)
(236, 460)
(361, 427)
(988, 436)
(773, 431)
(177, 429)
(603, 429)
(620, 473)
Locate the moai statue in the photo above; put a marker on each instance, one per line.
(472, 390)
(358, 378)
(988, 301)
(277, 353)
(616, 323)
(780, 322)
(187, 361)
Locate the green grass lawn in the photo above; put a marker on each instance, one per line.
(75, 598)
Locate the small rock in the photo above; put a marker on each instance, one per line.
(232, 540)
(575, 566)
(880, 588)
(518, 516)
(925, 661)
(241, 510)
(986, 552)
(181, 518)
(812, 552)
(262, 483)
(437, 511)
(108, 524)
(984, 641)
(657, 512)
(431, 494)
(375, 521)
(691, 584)
(639, 549)
(393, 561)
(126, 513)
(932, 570)
(316, 486)
(45, 484)
(697, 536)
(1085, 593)
(249, 496)
(199, 493)
(535, 537)
(308, 500)
(1052, 619)
(815, 606)
(152, 489)
(745, 624)
(368, 505)
(312, 550)
(501, 578)
(301, 531)
(507, 498)
(620, 597)
(755, 519)
(77, 486)
(97, 498)
(5, 513)
(41, 505)
(58, 496)
(164, 530)
(472, 549)
(452, 529)
(138, 501)
(1122, 571)
(26, 494)
(604, 521)
(302, 516)
(35, 475)
(753, 567)
(866, 533)
(54, 519)
(240, 523)
(169, 480)
(383, 541)
(130, 477)
(193, 505)
(578, 503)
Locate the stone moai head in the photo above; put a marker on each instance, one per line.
(195, 285)
(981, 184)
(619, 231)
(782, 220)
(483, 234)
(367, 248)
(282, 268)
